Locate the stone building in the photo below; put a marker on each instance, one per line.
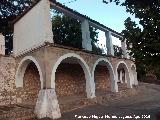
(42, 73)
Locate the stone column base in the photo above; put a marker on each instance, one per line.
(114, 86)
(136, 81)
(92, 95)
(90, 88)
(47, 104)
(129, 84)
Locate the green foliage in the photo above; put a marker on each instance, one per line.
(117, 51)
(145, 39)
(9, 10)
(67, 31)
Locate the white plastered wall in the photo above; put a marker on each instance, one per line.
(33, 29)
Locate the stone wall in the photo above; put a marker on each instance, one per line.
(9, 94)
(70, 80)
(102, 80)
(7, 80)
(31, 86)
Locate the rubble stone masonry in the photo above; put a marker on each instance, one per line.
(102, 80)
(70, 80)
(31, 86)
(9, 94)
(7, 81)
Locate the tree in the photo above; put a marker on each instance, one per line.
(9, 10)
(145, 40)
(117, 51)
(67, 31)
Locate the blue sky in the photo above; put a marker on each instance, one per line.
(110, 15)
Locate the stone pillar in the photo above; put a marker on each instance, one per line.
(86, 40)
(121, 76)
(114, 86)
(109, 44)
(135, 79)
(90, 88)
(129, 84)
(123, 46)
(128, 80)
(125, 77)
(47, 104)
(2, 45)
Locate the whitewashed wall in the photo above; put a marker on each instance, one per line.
(33, 29)
(2, 45)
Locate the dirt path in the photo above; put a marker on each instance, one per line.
(145, 103)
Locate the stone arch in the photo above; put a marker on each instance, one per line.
(134, 74)
(22, 68)
(89, 81)
(114, 87)
(127, 73)
(133, 65)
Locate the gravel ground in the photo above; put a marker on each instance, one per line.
(143, 106)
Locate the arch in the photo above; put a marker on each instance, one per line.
(134, 74)
(133, 65)
(89, 81)
(22, 68)
(127, 72)
(111, 72)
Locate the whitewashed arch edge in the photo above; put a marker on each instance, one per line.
(89, 81)
(22, 68)
(110, 67)
(129, 83)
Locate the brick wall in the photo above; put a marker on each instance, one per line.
(101, 76)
